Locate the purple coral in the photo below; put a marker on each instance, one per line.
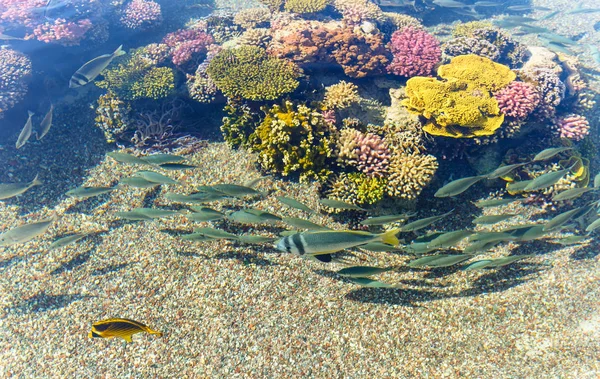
(141, 14)
(518, 100)
(15, 70)
(550, 87)
(415, 51)
(573, 126)
(187, 45)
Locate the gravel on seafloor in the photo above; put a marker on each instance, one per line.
(233, 310)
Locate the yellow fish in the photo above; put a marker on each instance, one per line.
(119, 327)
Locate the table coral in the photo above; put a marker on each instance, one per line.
(249, 73)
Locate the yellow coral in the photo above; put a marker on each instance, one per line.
(305, 6)
(462, 106)
(341, 95)
(466, 29)
(409, 174)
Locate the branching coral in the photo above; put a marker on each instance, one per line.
(357, 188)
(572, 126)
(112, 117)
(305, 6)
(141, 14)
(550, 87)
(294, 140)
(188, 47)
(256, 37)
(368, 152)
(356, 11)
(341, 95)
(249, 73)
(239, 124)
(463, 45)
(461, 106)
(252, 17)
(409, 174)
(517, 100)
(415, 51)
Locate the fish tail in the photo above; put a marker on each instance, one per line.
(119, 51)
(390, 238)
(36, 181)
(30, 113)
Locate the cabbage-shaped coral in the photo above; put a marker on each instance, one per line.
(356, 11)
(357, 188)
(341, 95)
(409, 174)
(249, 73)
(305, 6)
(294, 140)
(462, 106)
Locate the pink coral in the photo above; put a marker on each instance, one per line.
(61, 31)
(15, 70)
(368, 152)
(415, 51)
(573, 126)
(187, 46)
(518, 100)
(141, 14)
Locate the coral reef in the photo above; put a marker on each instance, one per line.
(464, 45)
(550, 87)
(415, 52)
(517, 100)
(256, 37)
(409, 174)
(252, 17)
(461, 106)
(248, 72)
(341, 95)
(112, 117)
(141, 15)
(188, 47)
(572, 126)
(239, 124)
(354, 12)
(63, 32)
(305, 6)
(359, 55)
(368, 152)
(467, 29)
(401, 21)
(356, 188)
(15, 71)
(294, 140)
(512, 53)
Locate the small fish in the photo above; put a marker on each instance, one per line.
(492, 219)
(557, 38)
(254, 239)
(215, 233)
(155, 177)
(154, 212)
(549, 15)
(293, 203)
(422, 223)
(503, 170)
(253, 216)
(382, 220)
(46, 123)
(479, 246)
(176, 166)
(449, 239)
(362, 271)
(9, 190)
(519, 19)
(494, 202)
(133, 216)
(558, 47)
(546, 180)
(489, 237)
(64, 241)
(571, 240)
(517, 8)
(85, 192)
(583, 10)
(366, 282)
(449, 4)
(235, 190)
(119, 327)
(550, 153)
(324, 242)
(195, 198)
(205, 214)
(337, 204)
(571, 193)
(26, 132)
(90, 70)
(25, 233)
(458, 186)
(496, 262)
(137, 182)
(439, 260)
(198, 237)
(254, 182)
(159, 159)
(533, 233)
(9, 38)
(419, 248)
(517, 187)
(126, 158)
(379, 247)
(590, 228)
(301, 223)
(561, 219)
(486, 4)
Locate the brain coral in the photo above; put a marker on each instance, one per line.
(409, 174)
(249, 73)
(462, 106)
(294, 140)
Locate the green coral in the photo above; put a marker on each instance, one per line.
(462, 106)
(466, 29)
(357, 188)
(137, 77)
(239, 124)
(249, 73)
(294, 140)
(305, 6)
(112, 116)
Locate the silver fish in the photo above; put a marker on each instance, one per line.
(215, 233)
(492, 219)
(561, 219)
(126, 158)
(449, 4)
(138, 182)
(571, 193)
(494, 202)
(64, 241)
(382, 220)
(366, 282)
(176, 166)
(9, 38)
(549, 153)
(155, 177)
(205, 214)
(159, 159)
(546, 180)
(89, 71)
(293, 203)
(458, 186)
(9, 190)
(420, 224)
(25, 233)
(254, 239)
(449, 239)
(46, 123)
(503, 170)
(595, 53)
(26, 132)
(85, 192)
(439, 260)
(235, 190)
(549, 15)
(362, 271)
(593, 226)
(301, 223)
(583, 10)
(253, 216)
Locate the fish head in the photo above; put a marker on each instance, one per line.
(286, 244)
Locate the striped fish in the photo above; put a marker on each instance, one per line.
(119, 327)
(89, 71)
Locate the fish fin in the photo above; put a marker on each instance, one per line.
(127, 338)
(390, 238)
(30, 113)
(36, 181)
(119, 51)
(154, 332)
